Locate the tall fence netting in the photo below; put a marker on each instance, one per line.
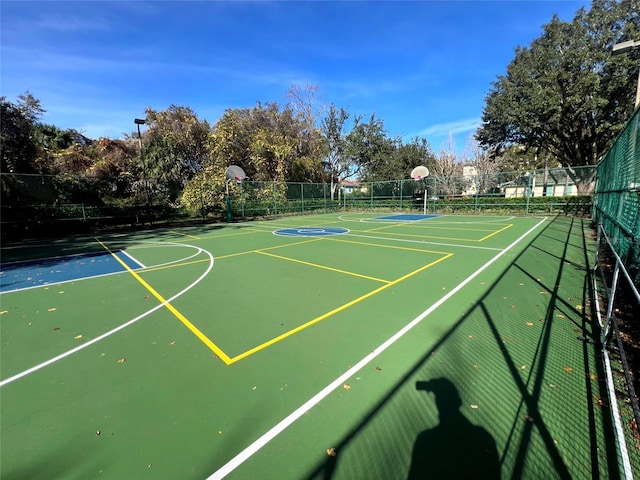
(617, 195)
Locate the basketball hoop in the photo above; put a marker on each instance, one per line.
(421, 173)
(234, 174)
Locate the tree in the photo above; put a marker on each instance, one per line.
(307, 164)
(18, 147)
(176, 146)
(566, 94)
(336, 160)
(368, 147)
(403, 158)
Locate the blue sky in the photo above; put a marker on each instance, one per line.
(424, 68)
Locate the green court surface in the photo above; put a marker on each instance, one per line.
(325, 346)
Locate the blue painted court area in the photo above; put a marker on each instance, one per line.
(35, 273)
(407, 217)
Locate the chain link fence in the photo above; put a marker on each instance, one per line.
(62, 204)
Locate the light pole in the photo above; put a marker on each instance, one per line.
(138, 122)
(625, 47)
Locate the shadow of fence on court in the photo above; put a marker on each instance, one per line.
(531, 380)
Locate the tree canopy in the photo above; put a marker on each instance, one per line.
(567, 94)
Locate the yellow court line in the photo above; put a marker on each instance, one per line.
(322, 267)
(495, 233)
(185, 235)
(395, 234)
(223, 356)
(333, 312)
(436, 227)
(247, 232)
(385, 246)
(382, 228)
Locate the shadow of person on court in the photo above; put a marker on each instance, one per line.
(455, 448)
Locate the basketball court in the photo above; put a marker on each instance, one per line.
(320, 346)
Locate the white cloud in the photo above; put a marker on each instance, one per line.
(453, 128)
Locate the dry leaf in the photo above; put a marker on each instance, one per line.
(98, 433)
(568, 369)
(379, 369)
(559, 315)
(55, 328)
(122, 360)
(3, 312)
(474, 406)
(529, 419)
(331, 452)
(346, 386)
(172, 343)
(476, 366)
(52, 309)
(578, 307)
(78, 337)
(529, 324)
(523, 367)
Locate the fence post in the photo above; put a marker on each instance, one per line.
(275, 201)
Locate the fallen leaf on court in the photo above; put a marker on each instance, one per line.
(254, 388)
(568, 369)
(593, 377)
(78, 337)
(476, 366)
(555, 442)
(578, 307)
(147, 296)
(474, 406)
(172, 343)
(98, 433)
(122, 360)
(52, 309)
(522, 284)
(379, 369)
(559, 315)
(29, 323)
(3, 312)
(61, 291)
(544, 293)
(219, 432)
(470, 336)
(529, 324)
(331, 452)
(513, 306)
(56, 328)
(346, 386)
(529, 419)
(523, 367)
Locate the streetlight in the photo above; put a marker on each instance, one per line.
(138, 122)
(625, 47)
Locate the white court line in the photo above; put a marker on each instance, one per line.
(117, 329)
(245, 454)
(142, 265)
(424, 242)
(613, 401)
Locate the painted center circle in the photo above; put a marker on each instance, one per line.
(311, 231)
